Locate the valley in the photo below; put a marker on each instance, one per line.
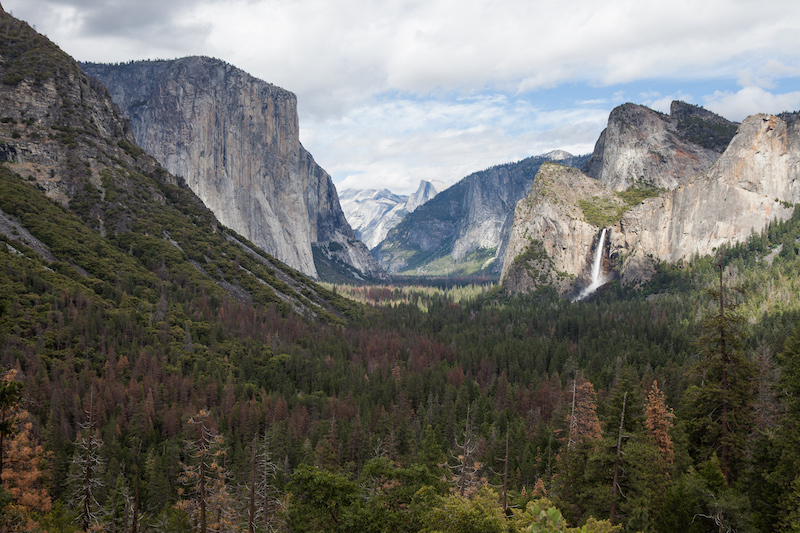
(193, 338)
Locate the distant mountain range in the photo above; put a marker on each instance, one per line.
(666, 186)
(464, 229)
(372, 213)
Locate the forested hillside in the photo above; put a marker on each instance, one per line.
(161, 374)
(404, 413)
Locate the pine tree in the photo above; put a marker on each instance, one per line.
(205, 479)
(119, 507)
(787, 472)
(721, 403)
(582, 439)
(10, 396)
(23, 477)
(658, 419)
(583, 421)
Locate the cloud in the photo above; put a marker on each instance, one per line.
(398, 142)
(113, 30)
(392, 91)
(334, 54)
(751, 100)
(662, 103)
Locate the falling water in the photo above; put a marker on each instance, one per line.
(597, 268)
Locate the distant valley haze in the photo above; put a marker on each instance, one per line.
(394, 92)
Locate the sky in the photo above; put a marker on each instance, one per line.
(391, 92)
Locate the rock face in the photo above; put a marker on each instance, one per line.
(45, 105)
(62, 136)
(550, 242)
(643, 147)
(756, 180)
(372, 213)
(235, 140)
(464, 229)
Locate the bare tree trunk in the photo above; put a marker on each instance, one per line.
(202, 492)
(505, 477)
(467, 442)
(251, 519)
(135, 525)
(615, 482)
(572, 425)
(86, 519)
(87, 488)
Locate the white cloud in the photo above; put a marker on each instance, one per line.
(399, 142)
(334, 54)
(406, 89)
(751, 100)
(662, 103)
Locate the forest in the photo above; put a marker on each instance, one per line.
(136, 397)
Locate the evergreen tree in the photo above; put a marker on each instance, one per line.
(23, 478)
(659, 422)
(205, 479)
(720, 404)
(583, 438)
(10, 396)
(787, 472)
(119, 506)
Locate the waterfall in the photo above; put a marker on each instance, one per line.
(597, 268)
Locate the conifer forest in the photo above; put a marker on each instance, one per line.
(138, 398)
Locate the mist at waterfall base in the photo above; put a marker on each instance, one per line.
(598, 278)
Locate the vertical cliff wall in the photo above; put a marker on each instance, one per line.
(644, 147)
(756, 180)
(235, 140)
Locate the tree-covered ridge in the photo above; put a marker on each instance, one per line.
(27, 54)
(72, 144)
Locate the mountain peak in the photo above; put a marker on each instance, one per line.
(641, 146)
(192, 115)
(558, 155)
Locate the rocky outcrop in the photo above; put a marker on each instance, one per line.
(646, 148)
(50, 109)
(372, 213)
(551, 242)
(235, 140)
(464, 230)
(756, 180)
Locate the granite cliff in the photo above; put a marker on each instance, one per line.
(235, 140)
(125, 229)
(551, 242)
(464, 229)
(372, 213)
(644, 147)
(754, 181)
